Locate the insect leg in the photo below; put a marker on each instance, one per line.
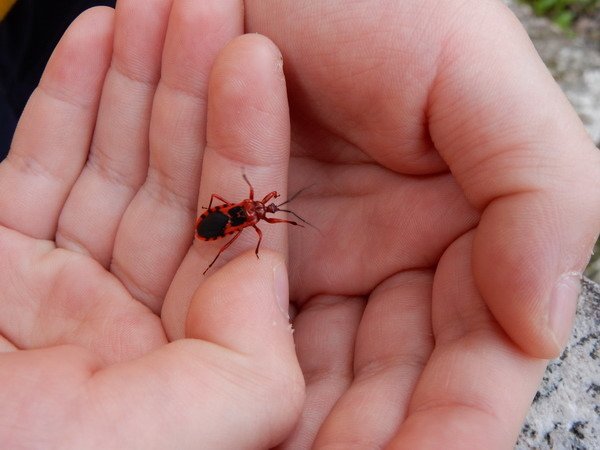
(218, 197)
(222, 250)
(274, 220)
(269, 196)
(251, 188)
(259, 239)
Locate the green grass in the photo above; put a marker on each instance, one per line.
(563, 12)
(593, 269)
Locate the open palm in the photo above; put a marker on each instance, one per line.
(415, 306)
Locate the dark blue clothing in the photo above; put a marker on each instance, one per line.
(28, 34)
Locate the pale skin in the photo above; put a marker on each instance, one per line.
(454, 187)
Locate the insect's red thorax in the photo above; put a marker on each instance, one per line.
(259, 209)
(253, 209)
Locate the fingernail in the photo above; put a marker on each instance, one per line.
(280, 277)
(563, 304)
(279, 64)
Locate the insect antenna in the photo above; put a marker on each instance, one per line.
(295, 195)
(300, 218)
(293, 213)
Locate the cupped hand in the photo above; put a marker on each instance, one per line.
(457, 196)
(98, 199)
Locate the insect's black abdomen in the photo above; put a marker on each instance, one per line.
(213, 225)
(237, 215)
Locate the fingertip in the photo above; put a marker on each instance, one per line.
(526, 274)
(188, 56)
(260, 48)
(255, 49)
(94, 23)
(76, 69)
(248, 117)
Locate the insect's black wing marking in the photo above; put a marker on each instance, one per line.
(213, 225)
(221, 251)
(237, 216)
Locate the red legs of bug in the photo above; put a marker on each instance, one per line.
(270, 220)
(218, 197)
(274, 220)
(269, 196)
(225, 247)
(259, 238)
(251, 188)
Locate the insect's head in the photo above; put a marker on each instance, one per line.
(272, 208)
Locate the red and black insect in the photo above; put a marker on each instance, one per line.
(219, 221)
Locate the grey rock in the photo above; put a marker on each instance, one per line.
(565, 413)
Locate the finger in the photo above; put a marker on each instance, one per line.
(165, 206)
(118, 159)
(246, 394)
(325, 334)
(248, 130)
(477, 385)
(52, 139)
(393, 343)
(521, 154)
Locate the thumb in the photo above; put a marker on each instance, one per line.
(243, 308)
(522, 157)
